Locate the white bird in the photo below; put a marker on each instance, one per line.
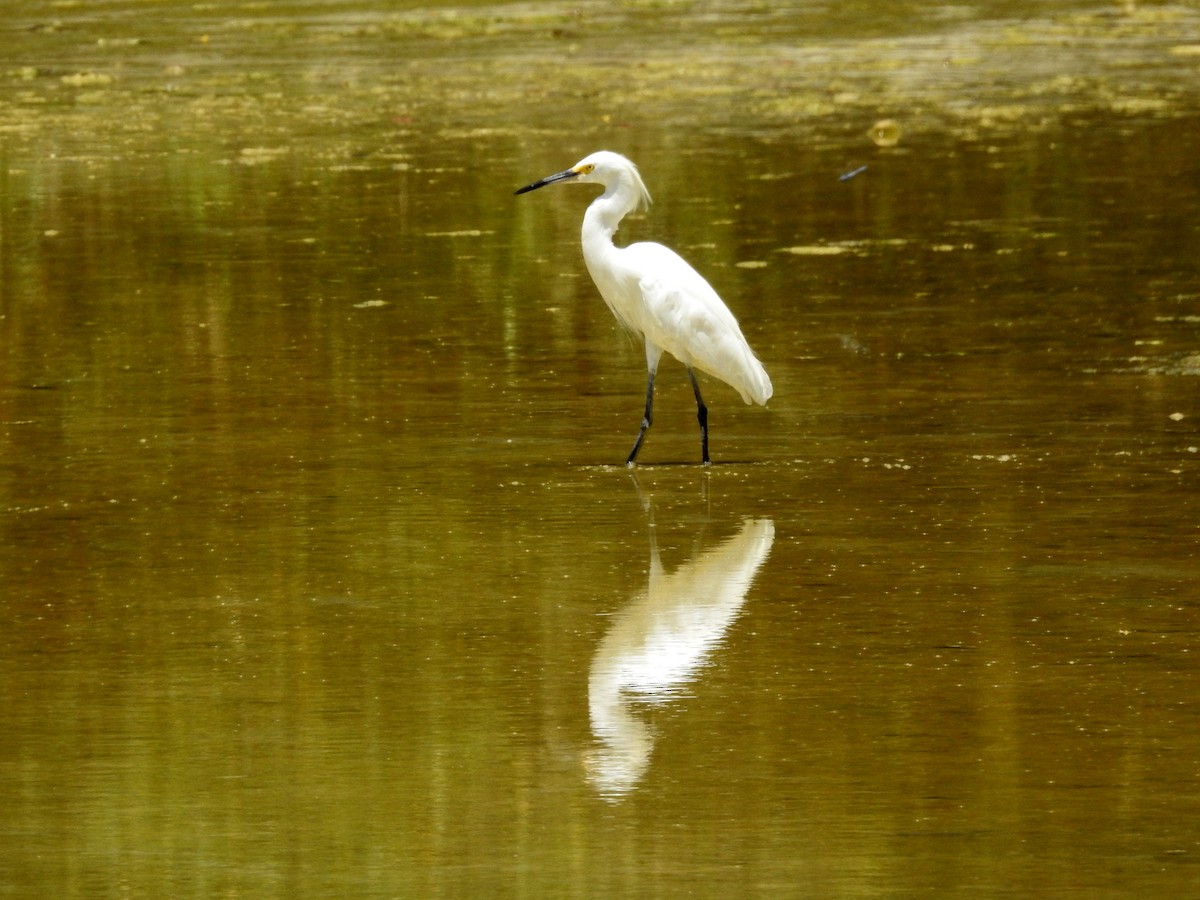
(655, 293)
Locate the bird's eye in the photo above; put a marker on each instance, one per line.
(585, 169)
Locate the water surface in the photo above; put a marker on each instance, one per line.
(320, 570)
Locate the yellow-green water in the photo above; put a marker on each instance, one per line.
(319, 571)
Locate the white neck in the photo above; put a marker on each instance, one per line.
(603, 216)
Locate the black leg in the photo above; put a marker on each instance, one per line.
(701, 417)
(647, 419)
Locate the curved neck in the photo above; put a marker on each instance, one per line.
(607, 210)
(602, 218)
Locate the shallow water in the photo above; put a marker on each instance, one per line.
(320, 571)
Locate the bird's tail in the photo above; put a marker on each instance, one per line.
(756, 386)
(738, 367)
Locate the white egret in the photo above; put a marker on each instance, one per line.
(655, 294)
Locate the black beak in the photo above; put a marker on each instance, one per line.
(550, 179)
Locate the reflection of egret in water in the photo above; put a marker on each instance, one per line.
(658, 643)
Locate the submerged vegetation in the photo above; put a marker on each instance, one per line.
(342, 80)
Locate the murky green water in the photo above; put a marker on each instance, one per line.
(319, 572)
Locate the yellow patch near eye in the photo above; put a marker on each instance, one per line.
(585, 170)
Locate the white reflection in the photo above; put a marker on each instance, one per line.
(657, 644)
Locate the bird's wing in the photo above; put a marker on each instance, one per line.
(684, 315)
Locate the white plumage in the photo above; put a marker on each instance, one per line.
(655, 293)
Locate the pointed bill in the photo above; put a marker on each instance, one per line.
(550, 179)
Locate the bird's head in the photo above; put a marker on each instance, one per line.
(612, 170)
